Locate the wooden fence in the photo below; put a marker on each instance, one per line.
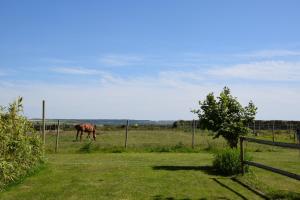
(262, 166)
(58, 128)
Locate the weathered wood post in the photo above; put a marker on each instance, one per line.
(242, 155)
(57, 137)
(273, 134)
(193, 136)
(43, 123)
(126, 134)
(254, 127)
(297, 135)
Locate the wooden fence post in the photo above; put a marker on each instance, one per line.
(43, 123)
(193, 136)
(273, 134)
(254, 127)
(57, 137)
(242, 155)
(126, 134)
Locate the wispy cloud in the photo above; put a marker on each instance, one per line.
(272, 53)
(57, 60)
(76, 70)
(120, 60)
(6, 72)
(3, 73)
(166, 92)
(146, 98)
(264, 71)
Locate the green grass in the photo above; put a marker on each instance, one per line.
(169, 140)
(158, 164)
(127, 176)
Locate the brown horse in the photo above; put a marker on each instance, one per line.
(88, 128)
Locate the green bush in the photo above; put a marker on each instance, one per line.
(228, 162)
(21, 148)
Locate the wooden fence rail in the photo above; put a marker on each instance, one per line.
(267, 142)
(269, 168)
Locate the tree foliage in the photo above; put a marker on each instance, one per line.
(225, 116)
(20, 147)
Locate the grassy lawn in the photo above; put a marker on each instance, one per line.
(128, 176)
(142, 173)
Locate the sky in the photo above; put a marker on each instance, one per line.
(149, 59)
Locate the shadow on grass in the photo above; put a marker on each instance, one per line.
(160, 197)
(284, 195)
(248, 187)
(280, 194)
(206, 168)
(229, 188)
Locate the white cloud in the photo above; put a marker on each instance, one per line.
(160, 97)
(109, 101)
(264, 71)
(57, 60)
(169, 94)
(120, 60)
(270, 53)
(4, 72)
(76, 70)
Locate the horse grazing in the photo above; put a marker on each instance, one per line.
(88, 128)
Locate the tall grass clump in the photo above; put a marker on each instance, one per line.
(21, 149)
(228, 162)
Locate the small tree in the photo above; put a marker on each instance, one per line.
(225, 116)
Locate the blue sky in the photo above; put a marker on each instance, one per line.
(149, 59)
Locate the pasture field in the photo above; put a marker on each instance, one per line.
(157, 165)
(161, 140)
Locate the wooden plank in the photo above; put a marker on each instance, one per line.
(193, 136)
(126, 134)
(242, 155)
(267, 142)
(275, 170)
(43, 123)
(273, 133)
(57, 137)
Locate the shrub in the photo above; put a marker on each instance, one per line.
(228, 162)
(21, 148)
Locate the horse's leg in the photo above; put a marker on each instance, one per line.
(77, 134)
(94, 135)
(81, 135)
